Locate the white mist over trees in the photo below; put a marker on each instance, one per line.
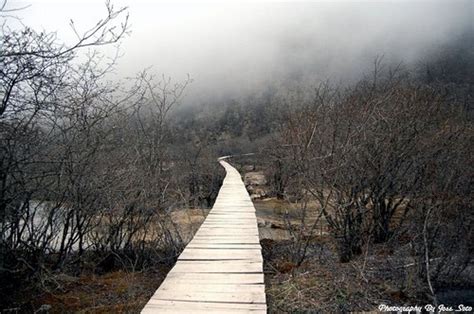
(232, 48)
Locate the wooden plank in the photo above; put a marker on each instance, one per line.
(234, 211)
(212, 245)
(231, 214)
(221, 268)
(223, 232)
(229, 230)
(231, 297)
(226, 236)
(226, 240)
(209, 254)
(218, 279)
(166, 309)
(165, 306)
(221, 235)
(230, 227)
(217, 266)
(212, 288)
(234, 220)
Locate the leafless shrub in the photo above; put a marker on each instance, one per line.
(364, 153)
(87, 175)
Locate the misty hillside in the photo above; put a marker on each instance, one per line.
(350, 124)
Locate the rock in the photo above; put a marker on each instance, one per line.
(44, 308)
(248, 168)
(255, 178)
(257, 193)
(261, 222)
(277, 226)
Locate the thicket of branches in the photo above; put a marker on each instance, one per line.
(89, 169)
(387, 160)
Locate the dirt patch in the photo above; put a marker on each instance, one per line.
(115, 292)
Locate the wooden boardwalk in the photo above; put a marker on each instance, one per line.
(220, 270)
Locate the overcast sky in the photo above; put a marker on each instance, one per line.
(239, 46)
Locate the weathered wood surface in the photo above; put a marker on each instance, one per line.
(220, 270)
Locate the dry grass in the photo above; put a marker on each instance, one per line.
(188, 221)
(323, 284)
(112, 292)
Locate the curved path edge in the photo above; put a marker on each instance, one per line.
(221, 268)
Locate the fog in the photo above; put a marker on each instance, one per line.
(233, 48)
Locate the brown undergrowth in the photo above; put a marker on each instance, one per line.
(101, 288)
(115, 292)
(323, 284)
(112, 292)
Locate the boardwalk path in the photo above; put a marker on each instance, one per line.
(220, 270)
